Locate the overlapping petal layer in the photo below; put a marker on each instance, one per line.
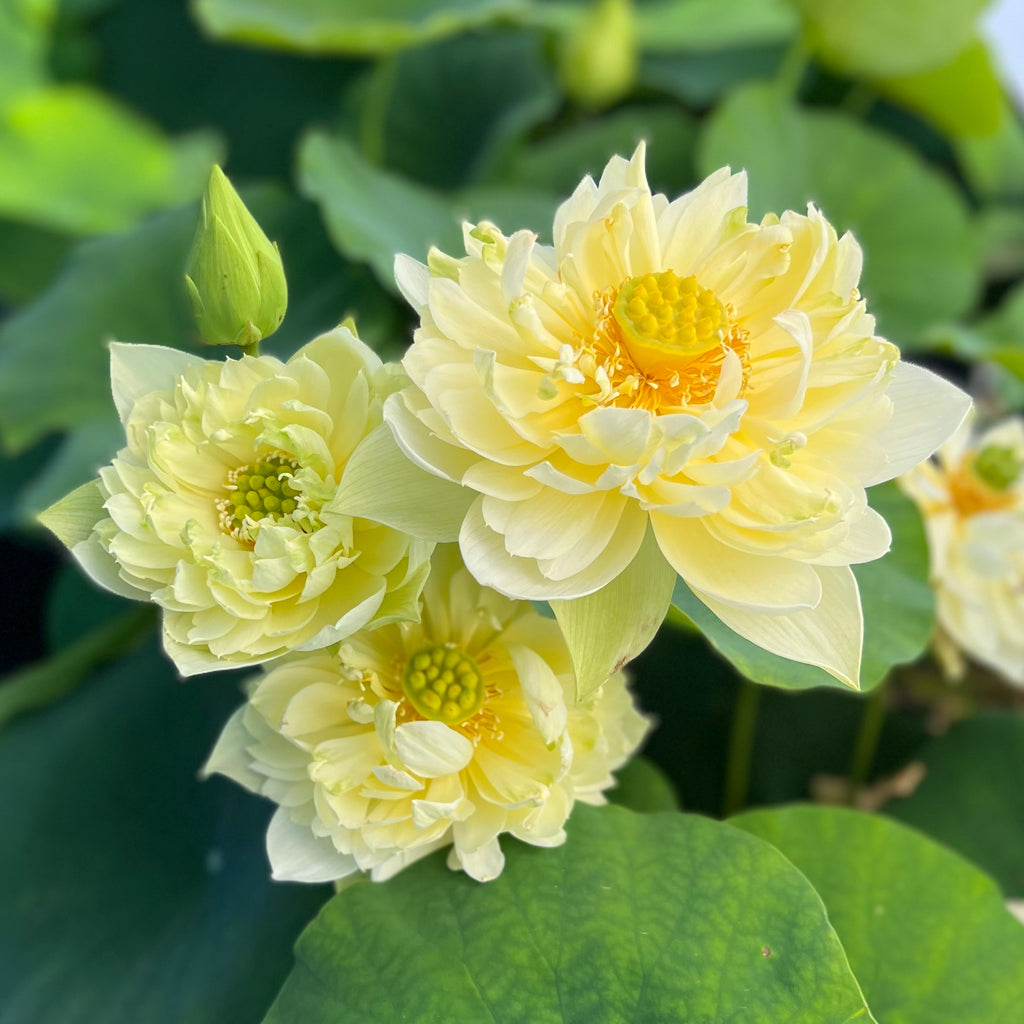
(972, 499)
(222, 507)
(370, 774)
(671, 363)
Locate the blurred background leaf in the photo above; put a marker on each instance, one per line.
(134, 891)
(421, 121)
(876, 37)
(971, 798)
(358, 26)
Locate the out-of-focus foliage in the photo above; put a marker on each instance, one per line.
(971, 798)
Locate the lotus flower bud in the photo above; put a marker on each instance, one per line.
(234, 275)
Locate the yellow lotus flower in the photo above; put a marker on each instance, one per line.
(972, 499)
(222, 508)
(420, 735)
(668, 364)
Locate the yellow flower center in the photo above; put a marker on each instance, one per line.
(263, 490)
(662, 317)
(662, 341)
(444, 684)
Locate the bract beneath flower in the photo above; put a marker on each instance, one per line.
(972, 500)
(671, 364)
(445, 732)
(222, 506)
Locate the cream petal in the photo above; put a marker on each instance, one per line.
(491, 564)
(103, 569)
(430, 749)
(542, 690)
(786, 389)
(420, 444)
(354, 601)
(296, 855)
(830, 635)
(691, 226)
(926, 411)
(517, 261)
(413, 280)
(382, 484)
(752, 582)
(484, 863)
(396, 778)
(229, 756)
(869, 538)
(601, 639)
(427, 813)
(544, 526)
(138, 370)
(505, 482)
(621, 435)
(467, 323)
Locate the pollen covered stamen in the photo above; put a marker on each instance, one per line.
(263, 490)
(444, 684)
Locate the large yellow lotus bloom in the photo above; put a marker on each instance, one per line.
(669, 365)
(222, 507)
(972, 499)
(421, 735)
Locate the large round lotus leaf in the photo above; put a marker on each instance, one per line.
(927, 934)
(639, 917)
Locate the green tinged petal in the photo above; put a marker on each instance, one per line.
(73, 517)
(606, 629)
(381, 483)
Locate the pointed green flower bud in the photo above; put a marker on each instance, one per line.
(234, 275)
(599, 57)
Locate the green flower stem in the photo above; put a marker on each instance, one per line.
(741, 747)
(250, 350)
(866, 745)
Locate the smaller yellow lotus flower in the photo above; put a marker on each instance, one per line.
(224, 507)
(972, 499)
(445, 732)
